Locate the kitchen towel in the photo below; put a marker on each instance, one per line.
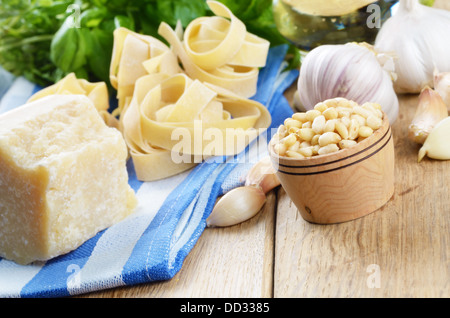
(151, 244)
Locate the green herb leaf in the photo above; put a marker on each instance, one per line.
(40, 39)
(171, 11)
(121, 21)
(68, 47)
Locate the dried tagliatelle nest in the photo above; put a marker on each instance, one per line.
(332, 125)
(195, 89)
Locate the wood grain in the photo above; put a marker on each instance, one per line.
(401, 250)
(343, 185)
(230, 262)
(403, 246)
(442, 4)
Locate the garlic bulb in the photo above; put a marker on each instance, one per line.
(420, 38)
(437, 144)
(430, 110)
(442, 87)
(236, 206)
(353, 71)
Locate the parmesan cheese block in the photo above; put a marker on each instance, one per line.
(63, 178)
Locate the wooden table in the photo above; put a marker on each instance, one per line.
(401, 250)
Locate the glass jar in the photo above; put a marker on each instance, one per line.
(307, 30)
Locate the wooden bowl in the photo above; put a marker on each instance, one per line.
(344, 185)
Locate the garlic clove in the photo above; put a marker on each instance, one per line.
(442, 86)
(262, 175)
(236, 206)
(437, 144)
(430, 110)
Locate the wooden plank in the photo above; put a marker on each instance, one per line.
(442, 4)
(401, 250)
(405, 242)
(236, 261)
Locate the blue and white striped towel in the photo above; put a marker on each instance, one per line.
(152, 244)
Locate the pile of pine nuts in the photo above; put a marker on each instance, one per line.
(332, 125)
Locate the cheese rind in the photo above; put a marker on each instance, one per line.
(63, 178)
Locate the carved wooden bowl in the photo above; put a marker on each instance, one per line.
(343, 185)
